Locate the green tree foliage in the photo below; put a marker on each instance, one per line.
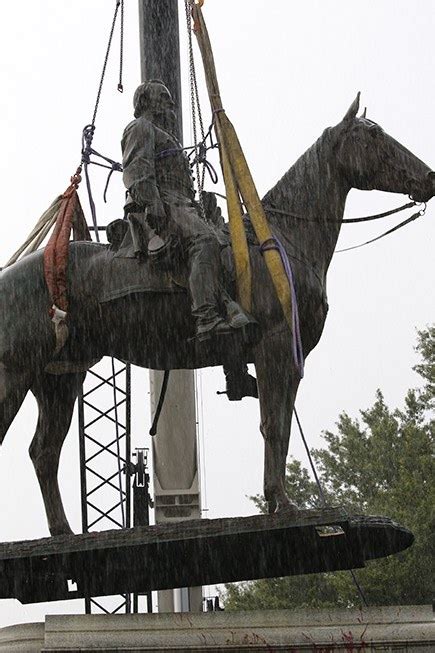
(381, 464)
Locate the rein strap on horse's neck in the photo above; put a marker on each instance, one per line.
(413, 217)
(377, 216)
(367, 218)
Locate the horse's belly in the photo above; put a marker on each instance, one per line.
(150, 330)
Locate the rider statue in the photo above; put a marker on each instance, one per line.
(160, 187)
(161, 200)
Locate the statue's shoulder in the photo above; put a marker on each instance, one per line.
(139, 127)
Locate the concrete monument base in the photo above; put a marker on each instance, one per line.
(405, 628)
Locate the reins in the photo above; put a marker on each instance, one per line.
(413, 217)
(367, 218)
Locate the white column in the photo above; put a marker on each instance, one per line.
(175, 469)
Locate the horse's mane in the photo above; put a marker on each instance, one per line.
(301, 184)
(309, 193)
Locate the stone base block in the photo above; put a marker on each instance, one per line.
(405, 628)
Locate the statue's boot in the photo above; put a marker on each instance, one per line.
(208, 296)
(239, 319)
(205, 284)
(240, 383)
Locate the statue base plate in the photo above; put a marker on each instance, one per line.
(361, 630)
(192, 553)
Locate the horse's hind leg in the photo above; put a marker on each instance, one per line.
(14, 386)
(277, 385)
(56, 397)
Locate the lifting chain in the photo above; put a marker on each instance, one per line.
(119, 4)
(89, 130)
(196, 114)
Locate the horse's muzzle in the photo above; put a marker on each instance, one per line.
(431, 178)
(423, 191)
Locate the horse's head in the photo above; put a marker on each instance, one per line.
(371, 159)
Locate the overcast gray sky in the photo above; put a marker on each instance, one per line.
(287, 70)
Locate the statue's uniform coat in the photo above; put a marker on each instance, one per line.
(157, 173)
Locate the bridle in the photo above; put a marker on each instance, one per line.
(421, 211)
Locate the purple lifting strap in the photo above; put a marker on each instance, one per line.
(298, 356)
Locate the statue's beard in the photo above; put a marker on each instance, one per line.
(167, 120)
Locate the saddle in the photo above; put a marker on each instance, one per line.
(156, 272)
(121, 277)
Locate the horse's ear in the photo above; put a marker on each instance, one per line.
(353, 109)
(364, 113)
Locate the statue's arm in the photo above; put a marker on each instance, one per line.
(138, 154)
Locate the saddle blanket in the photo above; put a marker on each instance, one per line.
(125, 276)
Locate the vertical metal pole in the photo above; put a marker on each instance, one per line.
(141, 505)
(176, 486)
(83, 484)
(160, 48)
(128, 519)
(82, 449)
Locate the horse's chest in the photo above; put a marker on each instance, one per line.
(310, 293)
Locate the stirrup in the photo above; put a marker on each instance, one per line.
(219, 329)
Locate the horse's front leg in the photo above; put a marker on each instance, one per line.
(278, 382)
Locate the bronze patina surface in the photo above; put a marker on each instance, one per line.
(156, 329)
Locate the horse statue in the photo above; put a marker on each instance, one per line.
(154, 329)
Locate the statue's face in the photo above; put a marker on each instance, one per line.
(161, 106)
(153, 100)
(159, 99)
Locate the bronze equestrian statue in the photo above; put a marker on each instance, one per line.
(127, 309)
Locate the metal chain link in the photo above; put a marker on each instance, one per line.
(195, 111)
(89, 130)
(106, 58)
(121, 50)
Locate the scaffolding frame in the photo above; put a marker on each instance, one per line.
(104, 415)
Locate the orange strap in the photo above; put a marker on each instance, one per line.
(56, 252)
(199, 3)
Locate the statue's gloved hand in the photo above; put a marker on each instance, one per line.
(156, 214)
(138, 201)
(159, 218)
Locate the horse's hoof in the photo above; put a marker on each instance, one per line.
(61, 530)
(282, 504)
(272, 506)
(288, 507)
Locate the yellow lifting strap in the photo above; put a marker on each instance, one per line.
(239, 184)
